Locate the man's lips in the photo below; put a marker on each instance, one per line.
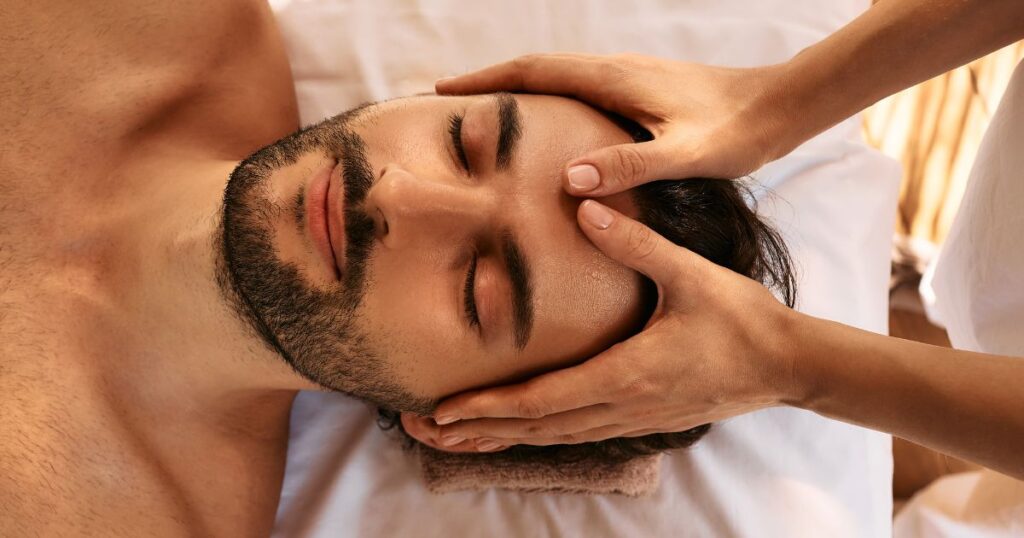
(324, 216)
(336, 217)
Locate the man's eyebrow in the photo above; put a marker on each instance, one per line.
(522, 289)
(509, 129)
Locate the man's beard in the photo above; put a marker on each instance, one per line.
(313, 330)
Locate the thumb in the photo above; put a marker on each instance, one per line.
(618, 168)
(635, 245)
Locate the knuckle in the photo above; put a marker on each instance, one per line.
(635, 388)
(611, 67)
(527, 70)
(541, 431)
(472, 408)
(461, 430)
(571, 438)
(531, 407)
(629, 164)
(618, 364)
(526, 61)
(640, 243)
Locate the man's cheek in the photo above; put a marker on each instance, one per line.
(407, 338)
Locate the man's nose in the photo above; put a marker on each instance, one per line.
(409, 207)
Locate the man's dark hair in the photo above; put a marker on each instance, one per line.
(716, 219)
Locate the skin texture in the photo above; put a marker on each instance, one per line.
(749, 354)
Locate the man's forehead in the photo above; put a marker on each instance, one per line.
(374, 107)
(367, 111)
(584, 294)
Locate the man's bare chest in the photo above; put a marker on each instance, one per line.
(67, 465)
(79, 457)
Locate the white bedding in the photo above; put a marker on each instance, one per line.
(779, 472)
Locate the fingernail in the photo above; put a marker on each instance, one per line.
(444, 419)
(487, 445)
(584, 177)
(451, 440)
(597, 215)
(442, 80)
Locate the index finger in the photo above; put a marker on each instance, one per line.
(575, 75)
(583, 385)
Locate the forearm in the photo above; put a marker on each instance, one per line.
(965, 404)
(892, 46)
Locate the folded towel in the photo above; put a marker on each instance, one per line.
(513, 470)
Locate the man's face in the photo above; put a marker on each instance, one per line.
(424, 246)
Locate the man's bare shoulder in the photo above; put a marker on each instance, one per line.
(91, 77)
(88, 90)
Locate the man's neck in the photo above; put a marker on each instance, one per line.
(150, 345)
(187, 344)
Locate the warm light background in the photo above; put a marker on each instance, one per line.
(934, 130)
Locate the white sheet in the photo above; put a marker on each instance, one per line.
(774, 473)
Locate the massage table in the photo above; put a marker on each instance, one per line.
(777, 472)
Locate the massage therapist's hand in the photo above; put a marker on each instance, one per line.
(707, 121)
(714, 348)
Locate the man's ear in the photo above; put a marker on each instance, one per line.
(426, 431)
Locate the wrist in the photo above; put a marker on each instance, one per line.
(804, 96)
(773, 114)
(796, 377)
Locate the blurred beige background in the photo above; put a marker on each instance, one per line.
(934, 129)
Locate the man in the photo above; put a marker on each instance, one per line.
(158, 317)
